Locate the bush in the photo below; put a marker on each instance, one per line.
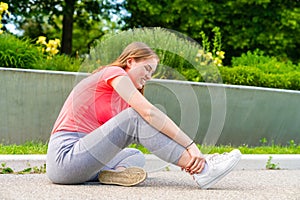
(21, 53)
(18, 53)
(255, 69)
(242, 76)
(174, 50)
(59, 63)
(252, 76)
(294, 79)
(269, 65)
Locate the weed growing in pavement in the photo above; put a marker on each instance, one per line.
(271, 165)
(30, 170)
(5, 170)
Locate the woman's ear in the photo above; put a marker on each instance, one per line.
(129, 62)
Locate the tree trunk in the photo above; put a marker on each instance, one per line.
(67, 32)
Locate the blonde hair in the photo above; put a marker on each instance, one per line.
(136, 50)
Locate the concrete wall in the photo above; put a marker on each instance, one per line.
(31, 100)
(227, 114)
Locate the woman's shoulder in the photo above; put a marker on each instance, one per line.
(109, 72)
(114, 69)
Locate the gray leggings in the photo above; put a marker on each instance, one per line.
(78, 157)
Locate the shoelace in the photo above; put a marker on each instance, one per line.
(217, 158)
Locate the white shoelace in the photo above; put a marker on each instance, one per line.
(217, 158)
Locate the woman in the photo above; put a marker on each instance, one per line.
(106, 112)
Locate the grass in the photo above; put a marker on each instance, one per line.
(26, 148)
(273, 149)
(41, 148)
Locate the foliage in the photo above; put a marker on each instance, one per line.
(21, 53)
(5, 170)
(167, 44)
(252, 76)
(268, 64)
(216, 55)
(242, 76)
(36, 170)
(255, 69)
(59, 63)
(18, 53)
(180, 57)
(270, 165)
(183, 59)
(273, 26)
(47, 18)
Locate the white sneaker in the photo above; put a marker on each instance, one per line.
(219, 165)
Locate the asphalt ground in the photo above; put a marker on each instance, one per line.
(239, 184)
(249, 180)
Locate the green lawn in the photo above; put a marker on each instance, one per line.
(41, 148)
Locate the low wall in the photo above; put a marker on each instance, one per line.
(210, 113)
(30, 102)
(229, 114)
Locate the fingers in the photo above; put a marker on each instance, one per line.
(196, 165)
(199, 167)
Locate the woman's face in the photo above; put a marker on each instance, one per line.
(140, 72)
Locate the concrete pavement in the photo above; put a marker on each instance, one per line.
(249, 180)
(239, 184)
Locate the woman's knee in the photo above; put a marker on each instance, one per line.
(135, 157)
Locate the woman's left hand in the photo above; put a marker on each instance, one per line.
(197, 162)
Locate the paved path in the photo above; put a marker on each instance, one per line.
(239, 184)
(249, 180)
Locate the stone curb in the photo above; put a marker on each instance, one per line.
(153, 163)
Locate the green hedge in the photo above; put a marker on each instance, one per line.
(269, 65)
(256, 69)
(252, 76)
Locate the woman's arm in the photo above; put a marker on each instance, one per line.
(125, 88)
(194, 162)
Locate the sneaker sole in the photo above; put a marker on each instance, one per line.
(129, 177)
(207, 185)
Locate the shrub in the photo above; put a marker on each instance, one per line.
(252, 76)
(280, 81)
(18, 53)
(269, 65)
(294, 79)
(59, 63)
(21, 53)
(256, 69)
(174, 50)
(242, 76)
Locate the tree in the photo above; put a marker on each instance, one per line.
(60, 16)
(270, 25)
(68, 19)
